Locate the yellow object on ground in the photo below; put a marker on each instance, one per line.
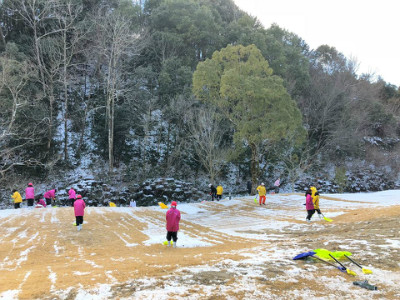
(112, 204)
(323, 253)
(162, 205)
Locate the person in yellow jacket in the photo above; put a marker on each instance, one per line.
(220, 190)
(17, 199)
(261, 193)
(315, 198)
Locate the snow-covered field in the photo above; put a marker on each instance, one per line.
(231, 249)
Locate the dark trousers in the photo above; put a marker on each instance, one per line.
(173, 235)
(318, 211)
(30, 202)
(310, 213)
(48, 201)
(79, 220)
(71, 201)
(213, 195)
(219, 197)
(17, 205)
(277, 190)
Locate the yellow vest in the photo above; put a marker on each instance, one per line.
(17, 197)
(220, 190)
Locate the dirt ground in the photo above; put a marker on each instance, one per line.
(42, 253)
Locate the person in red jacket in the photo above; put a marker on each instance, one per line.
(173, 217)
(30, 194)
(41, 203)
(50, 197)
(79, 209)
(71, 196)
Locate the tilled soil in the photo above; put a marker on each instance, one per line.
(43, 256)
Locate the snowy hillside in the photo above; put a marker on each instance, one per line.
(232, 249)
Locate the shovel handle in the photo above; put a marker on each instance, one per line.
(337, 261)
(353, 261)
(327, 262)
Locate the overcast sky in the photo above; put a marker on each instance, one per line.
(368, 30)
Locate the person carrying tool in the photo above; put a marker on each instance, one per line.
(316, 204)
(262, 192)
(50, 197)
(309, 205)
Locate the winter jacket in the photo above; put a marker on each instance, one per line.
(261, 190)
(42, 203)
(79, 208)
(173, 217)
(17, 197)
(313, 191)
(220, 190)
(50, 194)
(309, 202)
(213, 190)
(72, 194)
(29, 193)
(316, 200)
(277, 182)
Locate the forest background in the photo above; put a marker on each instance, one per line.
(127, 91)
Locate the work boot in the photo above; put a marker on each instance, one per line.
(308, 221)
(175, 245)
(169, 243)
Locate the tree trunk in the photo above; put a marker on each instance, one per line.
(254, 168)
(39, 60)
(65, 97)
(51, 104)
(2, 40)
(111, 136)
(79, 148)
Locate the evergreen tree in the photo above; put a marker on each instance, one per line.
(240, 82)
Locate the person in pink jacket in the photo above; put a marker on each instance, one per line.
(50, 196)
(30, 194)
(309, 205)
(79, 209)
(173, 217)
(41, 202)
(71, 196)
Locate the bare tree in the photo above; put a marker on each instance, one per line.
(206, 134)
(117, 42)
(15, 135)
(66, 15)
(35, 14)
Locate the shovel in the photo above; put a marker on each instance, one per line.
(162, 205)
(311, 254)
(350, 272)
(364, 270)
(326, 219)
